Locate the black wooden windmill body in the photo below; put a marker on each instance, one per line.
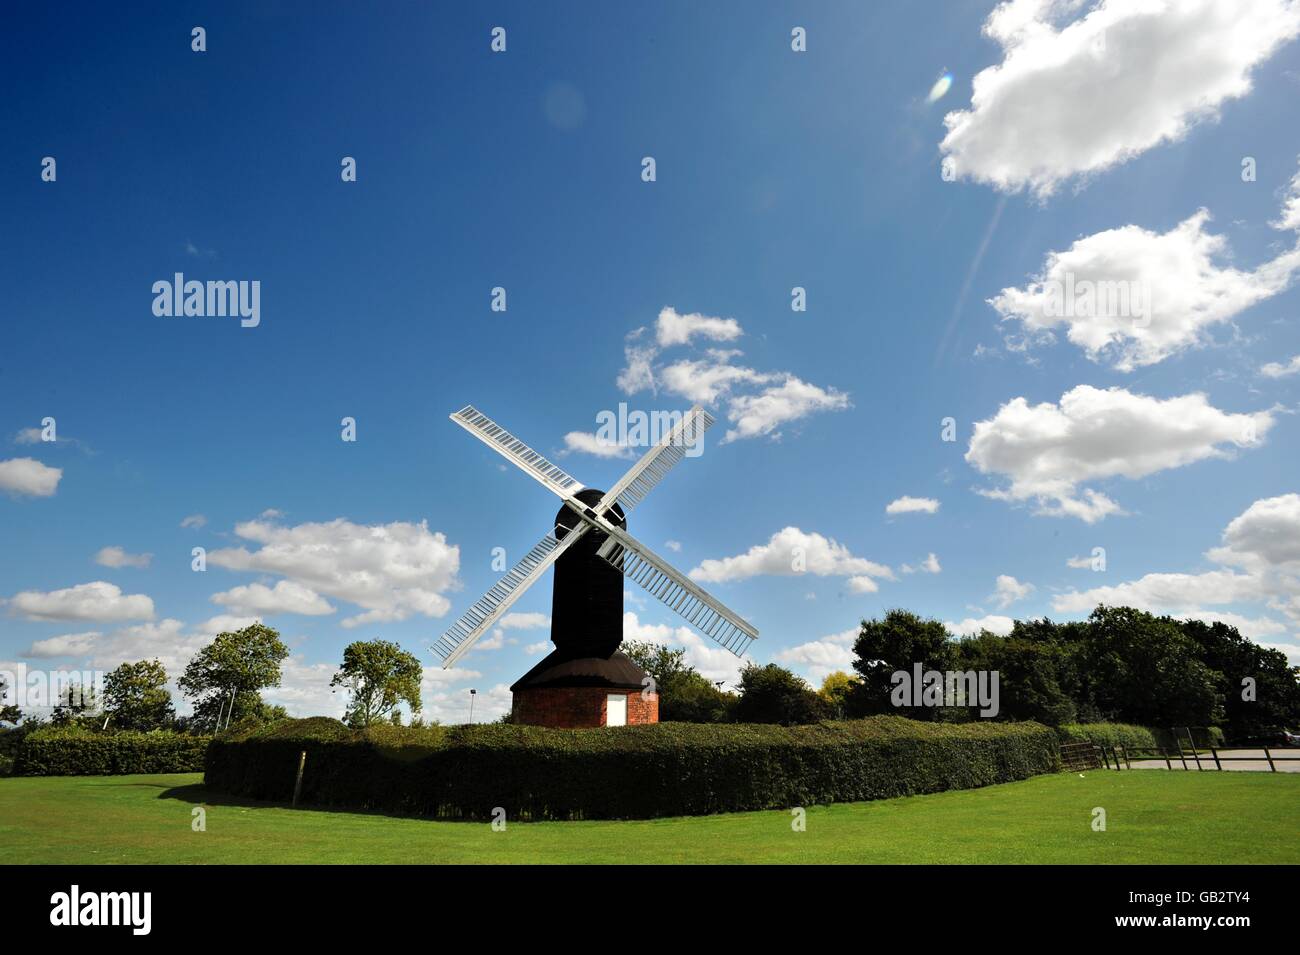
(592, 553)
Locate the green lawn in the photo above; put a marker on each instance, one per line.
(1152, 816)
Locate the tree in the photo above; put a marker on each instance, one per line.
(773, 694)
(379, 675)
(225, 678)
(73, 704)
(685, 695)
(137, 698)
(836, 690)
(898, 642)
(1275, 700)
(1137, 668)
(9, 713)
(1029, 676)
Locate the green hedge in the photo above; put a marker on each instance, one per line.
(1136, 737)
(73, 751)
(663, 769)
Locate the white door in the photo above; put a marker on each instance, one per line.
(616, 710)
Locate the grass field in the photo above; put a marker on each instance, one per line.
(1152, 816)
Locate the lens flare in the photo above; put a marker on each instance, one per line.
(940, 87)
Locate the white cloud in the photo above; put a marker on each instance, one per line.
(1262, 544)
(285, 597)
(673, 328)
(1263, 537)
(1289, 220)
(29, 476)
(711, 660)
(224, 623)
(67, 645)
(761, 414)
(674, 546)
(524, 621)
(1275, 369)
(971, 626)
(97, 600)
(1009, 590)
(1078, 97)
(1131, 297)
(117, 557)
(541, 646)
(392, 570)
(194, 520)
(1080, 563)
(1047, 451)
(706, 380)
(791, 548)
(305, 689)
(928, 566)
(584, 442)
(912, 505)
(820, 658)
(757, 403)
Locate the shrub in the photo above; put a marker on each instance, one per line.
(1137, 737)
(76, 751)
(662, 769)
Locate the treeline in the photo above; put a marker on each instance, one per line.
(1120, 665)
(223, 683)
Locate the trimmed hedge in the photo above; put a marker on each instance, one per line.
(1136, 737)
(663, 769)
(73, 751)
(1108, 734)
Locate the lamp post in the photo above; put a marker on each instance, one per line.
(472, 693)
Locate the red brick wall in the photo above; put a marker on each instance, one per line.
(576, 707)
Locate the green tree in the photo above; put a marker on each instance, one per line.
(1029, 676)
(773, 694)
(225, 678)
(9, 713)
(1138, 668)
(75, 704)
(685, 696)
(1234, 658)
(379, 675)
(897, 642)
(137, 698)
(836, 689)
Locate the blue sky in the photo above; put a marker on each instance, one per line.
(1094, 137)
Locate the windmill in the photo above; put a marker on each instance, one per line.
(586, 680)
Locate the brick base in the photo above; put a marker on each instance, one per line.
(579, 707)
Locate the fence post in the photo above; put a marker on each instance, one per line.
(1270, 760)
(297, 786)
(1128, 763)
(1195, 755)
(1165, 753)
(1215, 753)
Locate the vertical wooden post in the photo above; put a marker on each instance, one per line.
(1128, 763)
(1195, 755)
(1165, 752)
(1215, 753)
(1270, 760)
(297, 786)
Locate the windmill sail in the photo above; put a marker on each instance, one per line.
(485, 612)
(658, 461)
(506, 444)
(702, 611)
